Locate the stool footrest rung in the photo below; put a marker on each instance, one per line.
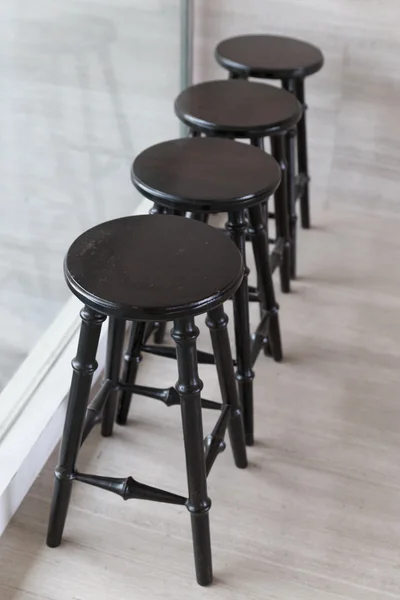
(169, 396)
(214, 443)
(129, 488)
(253, 294)
(204, 358)
(254, 297)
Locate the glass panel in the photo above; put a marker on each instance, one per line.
(86, 85)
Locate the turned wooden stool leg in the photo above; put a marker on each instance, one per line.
(131, 365)
(258, 233)
(237, 227)
(290, 149)
(189, 387)
(160, 332)
(161, 328)
(291, 181)
(84, 365)
(198, 216)
(217, 322)
(302, 155)
(282, 210)
(115, 346)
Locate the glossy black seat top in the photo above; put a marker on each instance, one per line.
(210, 174)
(151, 268)
(269, 56)
(242, 109)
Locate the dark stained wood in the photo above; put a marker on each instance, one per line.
(302, 154)
(239, 108)
(236, 226)
(217, 322)
(147, 268)
(153, 267)
(282, 211)
(269, 306)
(189, 387)
(269, 56)
(83, 365)
(115, 348)
(205, 174)
(131, 366)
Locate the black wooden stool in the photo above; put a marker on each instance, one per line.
(144, 269)
(291, 61)
(207, 175)
(243, 109)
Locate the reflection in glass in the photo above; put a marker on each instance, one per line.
(85, 87)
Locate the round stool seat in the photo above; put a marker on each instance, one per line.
(238, 108)
(153, 267)
(205, 174)
(269, 56)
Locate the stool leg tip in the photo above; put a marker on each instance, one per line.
(106, 434)
(52, 543)
(243, 464)
(53, 539)
(204, 582)
(122, 413)
(249, 439)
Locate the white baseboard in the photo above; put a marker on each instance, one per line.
(32, 405)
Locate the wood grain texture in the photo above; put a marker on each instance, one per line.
(153, 267)
(317, 511)
(211, 174)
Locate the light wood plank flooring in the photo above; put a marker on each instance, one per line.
(316, 513)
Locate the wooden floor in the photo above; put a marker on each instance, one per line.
(316, 513)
